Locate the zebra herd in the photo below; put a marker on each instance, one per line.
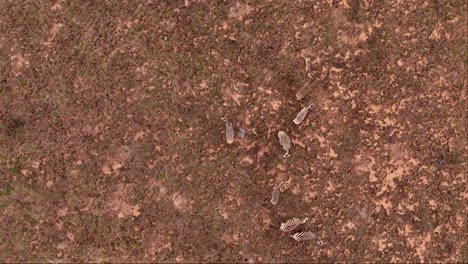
(285, 142)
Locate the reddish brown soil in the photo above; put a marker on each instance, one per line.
(112, 148)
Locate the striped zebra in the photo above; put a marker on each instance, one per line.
(229, 130)
(292, 224)
(285, 142)
(276, 193)
(302, 114)
(307, 235)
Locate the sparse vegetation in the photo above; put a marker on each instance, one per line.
(112, 148)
